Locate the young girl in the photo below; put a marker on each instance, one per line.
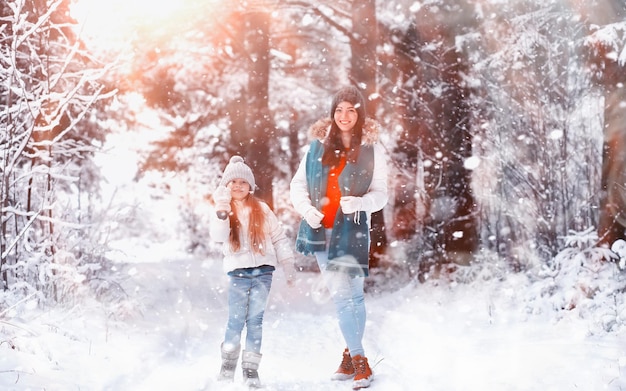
(254, 244)
(340, 182)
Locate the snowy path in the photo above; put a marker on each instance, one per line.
(428, 338)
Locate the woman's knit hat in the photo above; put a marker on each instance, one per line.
(349, 94)
(236, 168)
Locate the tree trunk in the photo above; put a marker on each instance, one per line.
(612, 218)
(363, 43)
(610, 75)
(258, 122)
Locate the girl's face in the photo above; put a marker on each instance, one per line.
(239, 189)
(345, 116)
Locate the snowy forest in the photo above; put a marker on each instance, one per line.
(498, 262)
(504, 122)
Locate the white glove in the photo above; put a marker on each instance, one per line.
(314, 218)
(350, 204)
(222, 198)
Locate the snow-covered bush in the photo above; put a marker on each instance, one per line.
(583, 278)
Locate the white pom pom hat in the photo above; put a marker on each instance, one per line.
(236, 168)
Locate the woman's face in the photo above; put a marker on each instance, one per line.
(239, 189)
(345, 116)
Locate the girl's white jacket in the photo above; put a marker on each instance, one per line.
(278, 248)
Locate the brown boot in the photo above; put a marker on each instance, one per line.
(346, 369)
(364, 375)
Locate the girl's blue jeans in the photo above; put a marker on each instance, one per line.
(247, 298)
(347, 294)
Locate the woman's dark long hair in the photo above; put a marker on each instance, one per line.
(333, 146)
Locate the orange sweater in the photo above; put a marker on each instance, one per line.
(333, 194)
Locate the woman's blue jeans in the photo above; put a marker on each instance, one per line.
(347, 294)
(247, 298)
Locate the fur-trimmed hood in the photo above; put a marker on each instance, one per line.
(371, 130)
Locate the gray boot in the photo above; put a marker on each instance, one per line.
(229, 364)
(250, 364)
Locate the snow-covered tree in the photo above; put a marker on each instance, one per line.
(429, 103)
(494, 121)
(50, 83)
(533, 110)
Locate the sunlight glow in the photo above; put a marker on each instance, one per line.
(108, 22)
(111, 24)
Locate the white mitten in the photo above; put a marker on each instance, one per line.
(290, 274)
(314, 218)
(222, 198)
(350, 204)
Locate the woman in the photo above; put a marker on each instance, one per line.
(254, 244)
(340, 181)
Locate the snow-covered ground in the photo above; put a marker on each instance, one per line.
(436, 337)
(165, 328)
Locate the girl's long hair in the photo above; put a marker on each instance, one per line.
(333, 146)
(256, 232)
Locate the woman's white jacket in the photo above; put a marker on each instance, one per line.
(377, 195)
